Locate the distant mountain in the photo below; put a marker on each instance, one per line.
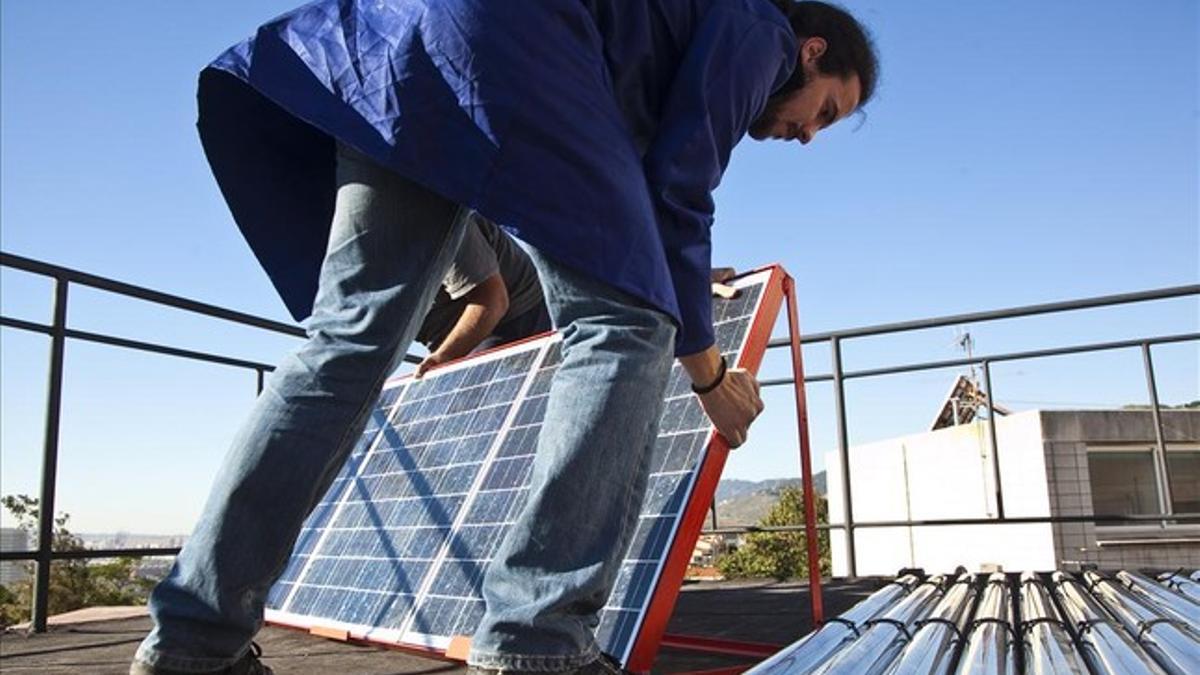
(745, 502)
(729, 488)
(819, 483)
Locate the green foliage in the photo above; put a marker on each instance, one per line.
(779, 555)
(74, 584)
(11, 610)
(1190, 405)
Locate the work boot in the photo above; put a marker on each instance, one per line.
(247, 665)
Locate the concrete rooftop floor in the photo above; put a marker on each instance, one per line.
(762, 612)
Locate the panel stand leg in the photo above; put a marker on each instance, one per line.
(810, 508)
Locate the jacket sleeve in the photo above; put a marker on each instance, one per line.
(734, 62)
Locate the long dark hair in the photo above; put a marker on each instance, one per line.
(849, 47)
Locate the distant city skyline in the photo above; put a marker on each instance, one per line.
(1016, 154)
(13, 571)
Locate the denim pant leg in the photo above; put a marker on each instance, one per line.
(557, 566)
(391, 241)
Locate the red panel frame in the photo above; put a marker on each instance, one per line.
(662, 602)
(359, 639)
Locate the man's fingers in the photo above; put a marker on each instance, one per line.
(722, 291)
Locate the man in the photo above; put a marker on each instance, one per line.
(490, 297)
(351, 139)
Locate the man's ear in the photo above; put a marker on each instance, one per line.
(811, 50)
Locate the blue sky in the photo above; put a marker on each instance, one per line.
(1017, 153)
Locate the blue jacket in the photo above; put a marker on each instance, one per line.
(595, 130)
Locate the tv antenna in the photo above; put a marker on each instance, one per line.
(966, 343)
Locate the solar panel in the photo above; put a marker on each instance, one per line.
(396, 550)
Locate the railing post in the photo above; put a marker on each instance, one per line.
(1160, 445)
(258, 378)
(843, 441)
(987, 392)
(58, 338)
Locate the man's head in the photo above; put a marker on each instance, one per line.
(835, 73)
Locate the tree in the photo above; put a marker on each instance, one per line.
(1190, 405)
(74, 583)
(779, 555)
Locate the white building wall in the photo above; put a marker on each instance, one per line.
(945, 474)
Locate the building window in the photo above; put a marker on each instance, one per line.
(1183, 468)
(1124, 481)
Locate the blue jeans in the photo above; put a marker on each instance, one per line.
(547, 584)
(391, 242)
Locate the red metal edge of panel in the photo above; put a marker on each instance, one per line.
(283, 623)
(491, 350)
(666, 591)
(361, 640)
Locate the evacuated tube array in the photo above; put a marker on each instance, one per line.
(1106, 648)
(1168, 641)
(935, 644)
(1047, 644)
(884, 636)
(1051, 624)
(1162, 598)
(1189, 586)
(813, 650)
(989, 647)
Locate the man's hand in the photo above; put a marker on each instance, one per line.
(719, 276)
(486, 305)
(434, 359)
(734, 404)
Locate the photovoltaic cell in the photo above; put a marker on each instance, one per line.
(317, 523)
(396, 549)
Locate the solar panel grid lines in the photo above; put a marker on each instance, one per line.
(313, 530)
(483, 398)
(457, 608)
(472, 541)
(313, 580)
(416, 518)
(405, 520)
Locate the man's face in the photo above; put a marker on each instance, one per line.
(821, 101)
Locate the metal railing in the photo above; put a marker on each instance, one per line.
(839, 377)
(60, 332)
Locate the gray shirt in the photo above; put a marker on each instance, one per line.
(485, 250)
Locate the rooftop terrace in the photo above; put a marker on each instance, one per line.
(758, 612)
